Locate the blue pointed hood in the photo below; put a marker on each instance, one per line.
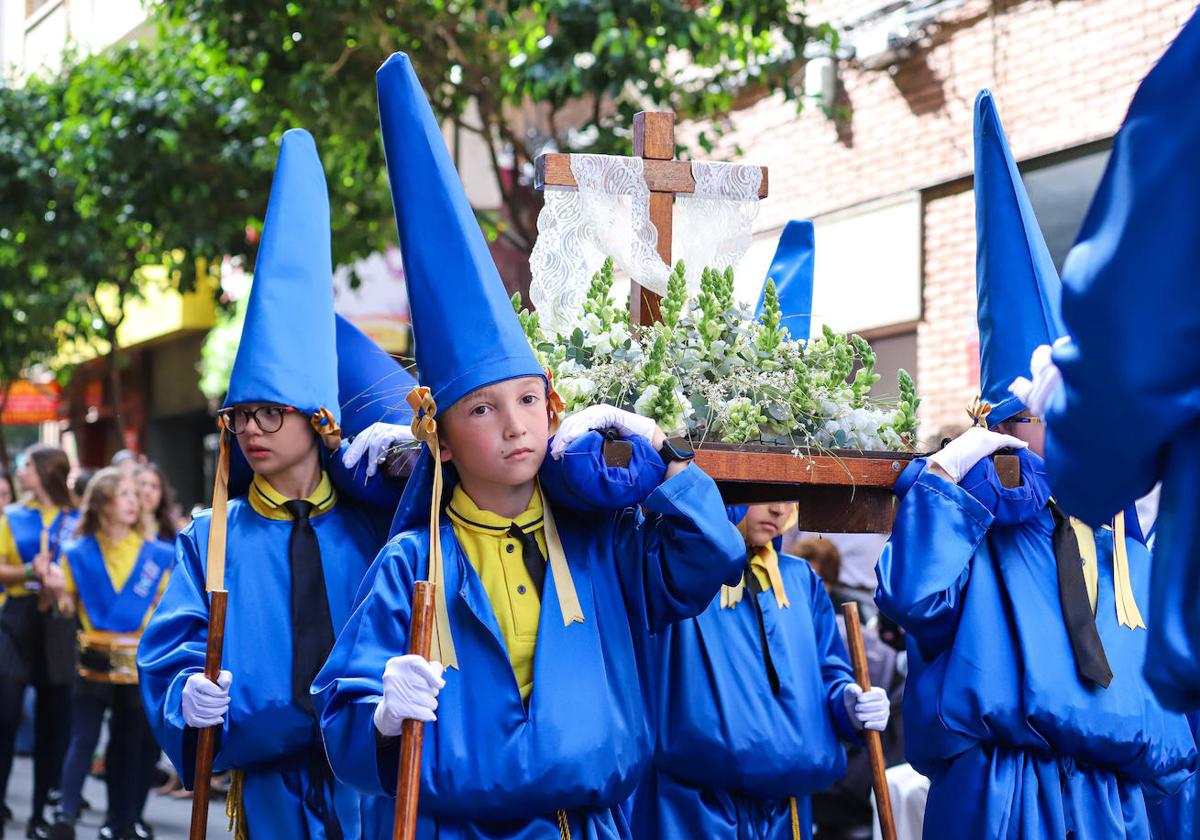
(287, 353)
(465, 332)
(1018, 289)
(792, 270)
(372, 385)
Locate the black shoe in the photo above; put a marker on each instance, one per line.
(142, 830)
(7, 814)
(62, 830)
(37, 829)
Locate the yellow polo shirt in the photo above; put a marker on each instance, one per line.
(8, 545)
(119, 560)
(269, 502)
(498, 560)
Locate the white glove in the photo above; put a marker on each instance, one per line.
(410, 688)
(205, 702)
(596, 417)
(373, 440)
(1046, 379)
(867, 709)
(968, 449)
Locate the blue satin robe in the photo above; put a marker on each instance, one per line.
(1129, 412)
(1016, 745)
(730, 753)
(493, 768)
(265, 733)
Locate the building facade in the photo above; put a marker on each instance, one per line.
(885, 170)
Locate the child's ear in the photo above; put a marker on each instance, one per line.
(444, 448)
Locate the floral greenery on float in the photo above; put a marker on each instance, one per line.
(711, 371)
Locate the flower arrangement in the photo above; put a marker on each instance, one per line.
(711, 371)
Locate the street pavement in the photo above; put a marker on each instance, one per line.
(169, 817)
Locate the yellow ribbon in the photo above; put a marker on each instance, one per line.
(424, 429)
(978, 411)
(556, 406)
(564, 584)
(1128, 613)
(327, 428)
(235, 806)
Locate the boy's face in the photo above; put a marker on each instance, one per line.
(270, 453)
(498, 434)
(764, 523)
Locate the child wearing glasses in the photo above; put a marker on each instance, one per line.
(296, 549)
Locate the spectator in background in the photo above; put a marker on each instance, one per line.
(8, 492)
(159, 514)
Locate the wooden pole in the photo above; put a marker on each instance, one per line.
(206, 744)
(412, 732)
(858, 656)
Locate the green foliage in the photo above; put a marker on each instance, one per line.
(771, 335)
(710, 370)
(673, 303)
(905, 423)
(141, 155)
(313, 64)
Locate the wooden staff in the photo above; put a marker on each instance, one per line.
(206, 742)
(412, 732)
(858, 655)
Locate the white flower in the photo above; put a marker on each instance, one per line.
(646, 400)
(592, 325)
(576, 390)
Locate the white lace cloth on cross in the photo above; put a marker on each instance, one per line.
(609, 215)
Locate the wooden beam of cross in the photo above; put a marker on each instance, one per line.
(654, 142)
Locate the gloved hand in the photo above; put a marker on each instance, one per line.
(595, 417)
(410, 688)
(968, 449)
(1046, 379)
(373, 440)
(204, 702)
(867, 709)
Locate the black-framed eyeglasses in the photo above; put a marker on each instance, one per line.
(268, 418)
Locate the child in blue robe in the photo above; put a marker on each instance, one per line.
(754, 698)
(538, 725)
(1122, 396)
(112, 578)
(296, 548)
(1025, 703)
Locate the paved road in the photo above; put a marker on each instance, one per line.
(169, 817)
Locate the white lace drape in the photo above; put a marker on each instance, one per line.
(609, 215)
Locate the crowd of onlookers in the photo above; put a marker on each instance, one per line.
(48, 709)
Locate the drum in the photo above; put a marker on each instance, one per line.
(108, 657)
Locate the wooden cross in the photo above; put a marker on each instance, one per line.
(654, 142)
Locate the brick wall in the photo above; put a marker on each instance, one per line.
(1062, 71)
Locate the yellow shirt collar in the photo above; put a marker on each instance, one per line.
(269, 502)
(464, 512)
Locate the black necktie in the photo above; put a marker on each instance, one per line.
(754, 586)
(531, 554)
(1090, 659)
(312, 627)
